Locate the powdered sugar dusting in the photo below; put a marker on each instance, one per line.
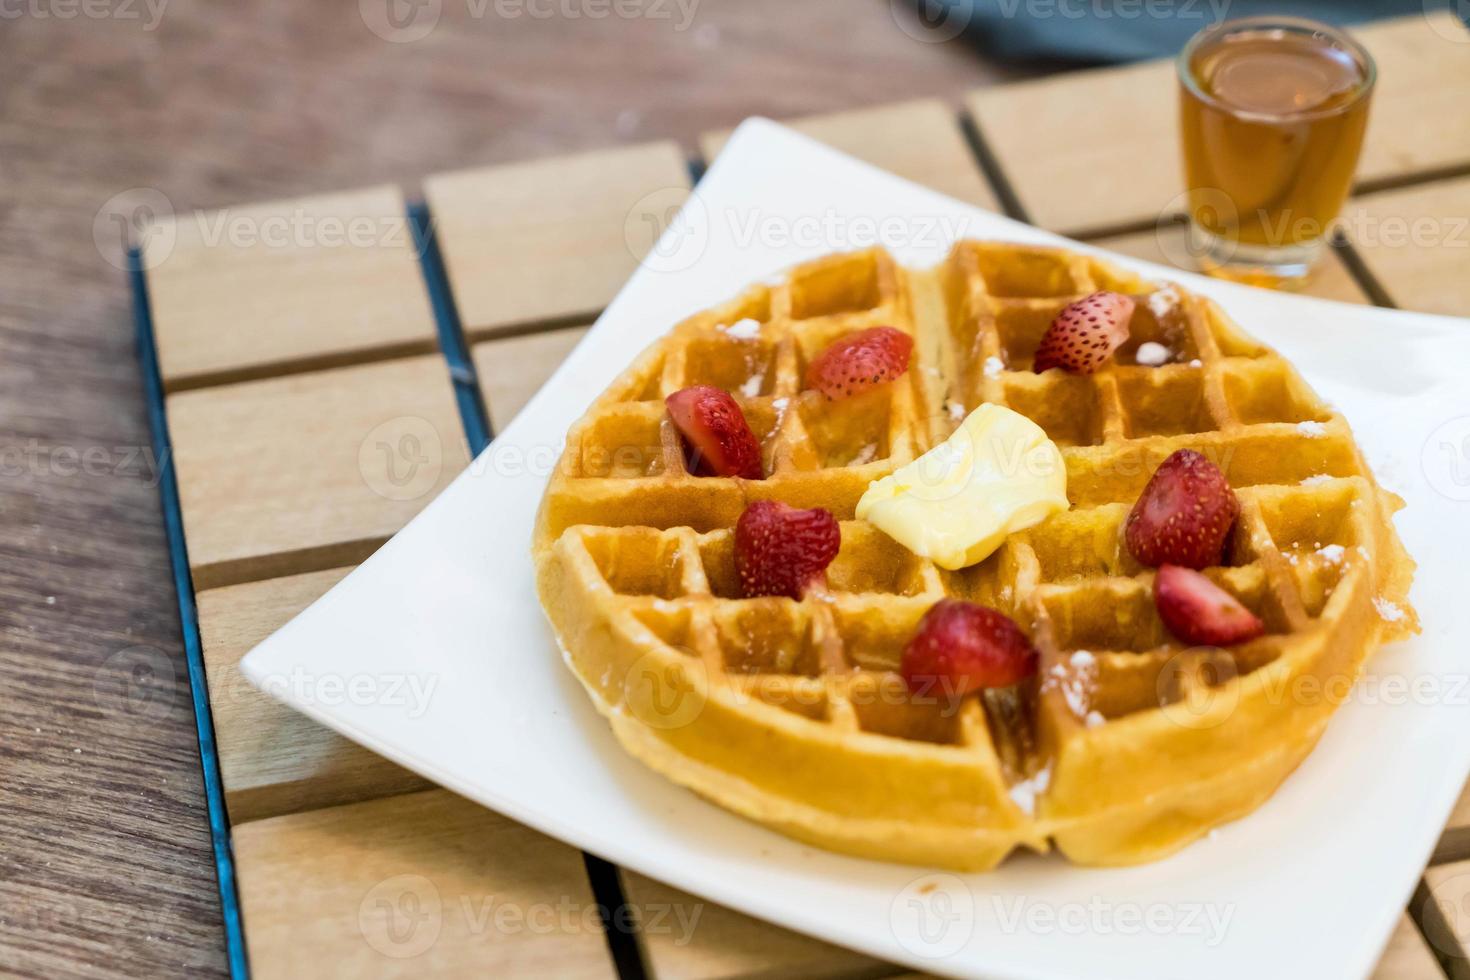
(752, 386)
(1312, 430)
(746, 329)
(865, 455)
(1390, 612)
(994, 367)
(1332, 552)
(1026, 791)
(956, 411)
(1151, 354)
(1316, 481)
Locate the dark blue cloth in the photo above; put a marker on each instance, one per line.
(1102, 31)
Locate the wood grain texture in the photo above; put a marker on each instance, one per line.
(1093, 151)
(1446, 920)
(423, 885)
(105, 861)
(514, 369)
(920, 140)
(274, 760)
(1416, 243)
(554, 238)
(253, 291)
(1168, 245)
(687, 938)
(312, 470)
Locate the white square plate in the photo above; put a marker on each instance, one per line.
(1309, 885)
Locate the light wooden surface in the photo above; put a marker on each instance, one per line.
(1098, 150)
(252, 291)
(552, 239)
(417, 886)
(274, 760)
(920, 140)
(514, 369)
(1408, 956)
(1416, 242)
(1168, 245)
(687, 938)
(311, 470)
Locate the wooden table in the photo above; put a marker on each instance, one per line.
(106, 865)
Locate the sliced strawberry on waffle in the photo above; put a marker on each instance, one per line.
(782, 551)
(716, 435)
(961, 647)
(861, 361)
(1184, 515)
(1201, 613)
(1084, 336)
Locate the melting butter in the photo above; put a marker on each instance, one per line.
(996, 475)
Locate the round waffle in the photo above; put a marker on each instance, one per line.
(1127, 744)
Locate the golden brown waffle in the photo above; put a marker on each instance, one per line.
(1128, 744)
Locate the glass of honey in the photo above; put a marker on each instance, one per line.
(1272, 112)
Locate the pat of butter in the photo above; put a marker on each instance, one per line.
(996, 475)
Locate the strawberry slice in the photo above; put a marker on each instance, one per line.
(1184, 515)
(1201, 613)
(861, 361)
(780, 550)
(1084, 335)
(962, 647)
(717, 437)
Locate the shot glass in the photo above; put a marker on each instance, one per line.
(1272, 112)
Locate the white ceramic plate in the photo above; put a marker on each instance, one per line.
(1309, 885)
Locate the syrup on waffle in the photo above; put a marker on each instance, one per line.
(1128, 744)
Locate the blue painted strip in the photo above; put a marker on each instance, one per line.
(472, 410)
(173, 522)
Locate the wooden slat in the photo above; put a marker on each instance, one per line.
(687, 938)
(416, 886)
(1416, 242)
(1167, 245)
(1408, 956)
(1096, 150)
(248, 292)
(310, 471)
(551, 239)
(514, 369)
(1454, 843)
(1448, 923)
(1089, 150)
(272, 759)
(920, 140)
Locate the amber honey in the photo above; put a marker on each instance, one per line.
(1272, 115)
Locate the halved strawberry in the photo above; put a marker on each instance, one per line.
(780, 550)
(961, 647)
(716, 434)
(1184, 515)
(1084, 335)
(1201, 613)
(860, 361)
